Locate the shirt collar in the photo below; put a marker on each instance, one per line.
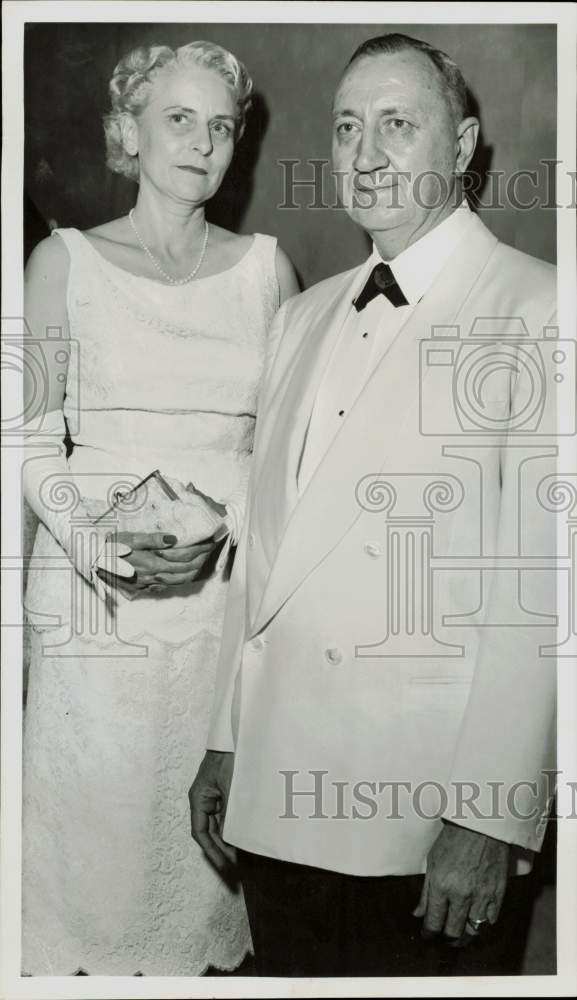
(416, 268)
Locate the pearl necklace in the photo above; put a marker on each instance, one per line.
(150, 255)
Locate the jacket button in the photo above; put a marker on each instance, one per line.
(251, 541)
(257, 643)
(373, 550)
(333, 655)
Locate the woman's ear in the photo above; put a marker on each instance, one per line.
(129, 132)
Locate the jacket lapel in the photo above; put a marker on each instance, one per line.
(276, 492)
(317, 520)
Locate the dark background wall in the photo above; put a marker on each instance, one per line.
(510, 68)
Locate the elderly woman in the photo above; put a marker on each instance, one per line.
(167, 320)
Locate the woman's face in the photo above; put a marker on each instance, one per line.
(185, 134)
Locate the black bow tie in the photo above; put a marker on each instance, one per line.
(381, 281)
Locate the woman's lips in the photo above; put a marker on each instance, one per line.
(192, 170)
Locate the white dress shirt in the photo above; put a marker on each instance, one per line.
(366, 336)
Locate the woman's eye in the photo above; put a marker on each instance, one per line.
(221, 129)
(178, 118)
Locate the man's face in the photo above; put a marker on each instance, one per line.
(396, 145)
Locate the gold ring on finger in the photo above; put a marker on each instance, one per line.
(476, 924)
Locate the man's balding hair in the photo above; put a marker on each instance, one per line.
(453, 79)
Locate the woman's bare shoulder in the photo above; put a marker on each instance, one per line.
(226, 249)
(116, 231)
(225, 238)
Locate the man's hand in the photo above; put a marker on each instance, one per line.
(466, 880)
(208, 797)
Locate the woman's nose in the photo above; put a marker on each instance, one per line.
(201, 138)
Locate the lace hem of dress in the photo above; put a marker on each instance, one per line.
(228, 964)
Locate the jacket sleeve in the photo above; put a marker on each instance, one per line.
(505, 754)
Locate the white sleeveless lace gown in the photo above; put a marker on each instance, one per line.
(116, 719)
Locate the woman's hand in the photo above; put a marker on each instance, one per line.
(157, 563)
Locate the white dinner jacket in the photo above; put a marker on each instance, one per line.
(322, 686)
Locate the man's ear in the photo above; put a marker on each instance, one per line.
(129, 133)
(467, 135)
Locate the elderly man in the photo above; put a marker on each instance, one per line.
(382, 705)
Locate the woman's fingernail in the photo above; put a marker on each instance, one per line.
(169, 539)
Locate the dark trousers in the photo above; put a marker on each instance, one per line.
(310, 922)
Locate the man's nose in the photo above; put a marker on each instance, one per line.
(371, 154)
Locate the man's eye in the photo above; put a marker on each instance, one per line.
(178, 118)
(345, 128)
(398, 124)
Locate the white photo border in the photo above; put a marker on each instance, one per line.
(15, 15)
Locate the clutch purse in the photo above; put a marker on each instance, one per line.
(157, 505)
(146, 494)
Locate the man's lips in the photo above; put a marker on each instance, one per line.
(191, 169)
(383, 186)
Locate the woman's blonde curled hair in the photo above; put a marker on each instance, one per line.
(132, 81)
